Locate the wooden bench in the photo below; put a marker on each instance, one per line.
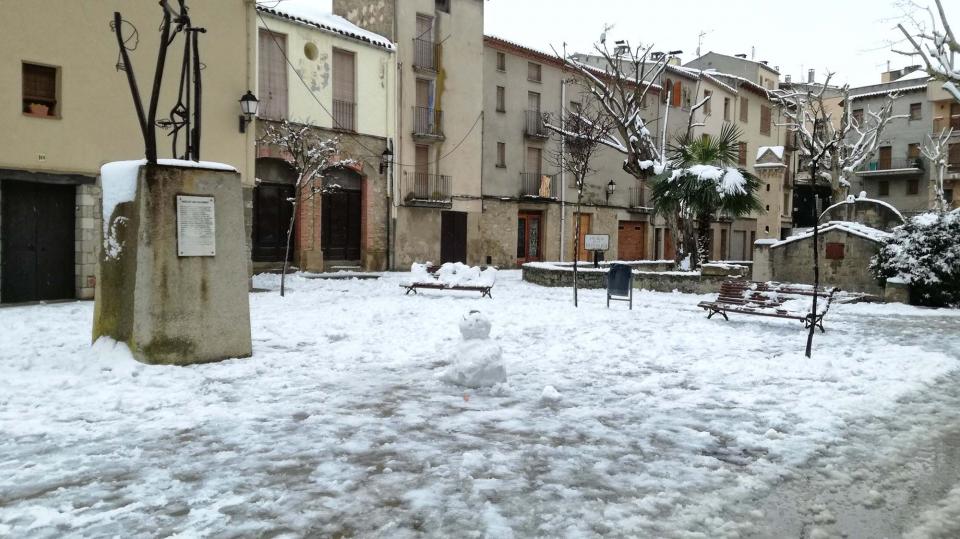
(485, 290)
(765, 299)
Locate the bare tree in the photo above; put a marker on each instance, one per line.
(310, 155)
(583, 132)
(937, 46)
(937, 151)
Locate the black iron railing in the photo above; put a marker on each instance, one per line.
(894, 164)
(533, 126)
(426, 54)
(427, 122)
(344, 115)
(538, 185)
(428, 188)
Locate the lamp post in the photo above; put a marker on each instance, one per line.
(611, 187)
(249, 105)
(385, 159)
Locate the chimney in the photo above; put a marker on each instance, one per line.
(741, 55)
(811, 76)
(787, 78)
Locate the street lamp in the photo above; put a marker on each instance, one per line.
(611, 187)
(249, 104)
(385, 158)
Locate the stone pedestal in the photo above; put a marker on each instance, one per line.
(169, 308)
(896, 291)
(762, 262)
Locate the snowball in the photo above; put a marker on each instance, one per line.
(550, 394)
(773, 434)
(863, 194)
(474, 326)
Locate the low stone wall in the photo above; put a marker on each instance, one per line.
(660, 281)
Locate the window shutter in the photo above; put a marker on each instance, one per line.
(677, 90)
(343, 76)
(744, 110)
(272, 75)
(764, 120)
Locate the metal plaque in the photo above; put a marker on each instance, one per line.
(596, 242)
(196, 226)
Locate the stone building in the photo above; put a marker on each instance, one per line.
(320, 70)
(67, 111)
(436, 204)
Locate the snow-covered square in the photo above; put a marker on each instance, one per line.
(651, 422)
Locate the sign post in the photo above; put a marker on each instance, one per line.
(596, 243)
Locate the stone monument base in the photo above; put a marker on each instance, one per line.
(173, 286)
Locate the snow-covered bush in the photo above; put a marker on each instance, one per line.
(924, 253)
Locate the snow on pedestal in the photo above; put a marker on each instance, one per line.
(479, 361)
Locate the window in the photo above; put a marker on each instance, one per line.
(344, 90)
(726, 109)
(501, 61)
(857, 116)
(706, 106)
(40, 90)
(501, 99)
(953, 157)
(744, 110)
(768, 187)
(442, 5)
(501, 155)
(764, 120)
(742, 157)
(913, 151)
(533, 72)
(575, 107)
(272, 75)
(835, 251)
(883, 188)
(677, 93)
(913, 187)
(667, 89)
(916, 111)
(685, 92)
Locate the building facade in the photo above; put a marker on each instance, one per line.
(436, 205)
(321, 71)
(68, 111)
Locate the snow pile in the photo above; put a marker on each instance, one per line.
(453, 274)
(550, 395)
(479, 361)
(728, 180)
(777, 151)
(857, 229)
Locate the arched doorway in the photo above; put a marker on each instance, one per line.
(341, 227)
(272, 209)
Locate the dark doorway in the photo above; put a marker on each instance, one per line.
(37, 234)
(804, 212)
(271, 221)
(341, 225)
(529, 237)
(453, 236)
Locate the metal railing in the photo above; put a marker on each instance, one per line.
(941, 123)
(538, 185)
(427, 122)
(344, 115)
(533, 126)
(426, 54)
(428, 189)
(894, 164)
(637, 197)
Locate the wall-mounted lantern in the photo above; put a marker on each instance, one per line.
(611, 187)
(249, 105)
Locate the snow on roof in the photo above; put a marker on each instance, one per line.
(777, 150)
(310, 12)
(916, 75)
(863, 198)
(857, 229)
(890, 90)
(761, 64)
(707, 74)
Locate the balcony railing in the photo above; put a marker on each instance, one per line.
(427, 190)
(426, 54)
(427, 122)
(939, 124)
(637, 198)
(538, 185)
(905, 163)
(344, 115)
(533, 126)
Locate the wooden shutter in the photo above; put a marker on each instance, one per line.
(420, 159)
(344, 76)
(533, 101)
(707, 106)
(533, 71)
(954, 154)
(764, 120)
(533, 160)
(501, 99)
(726, 109)
(423, 93)
(501, 154)
(744, 109)
(885, 157)
(742, 157)
(272, 75)
(40, 87)
(424, 27)
(677, 90)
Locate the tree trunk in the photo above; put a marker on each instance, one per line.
(816, 259)
(703, 238)
(576, 243)
(286, 253)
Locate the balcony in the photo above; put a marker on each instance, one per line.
(941, 123)
(426, 55)
(427, 123)
(638, 199)
(533, 125)
(538, 185)
(891, 167)
(344, 115)
(427, 190)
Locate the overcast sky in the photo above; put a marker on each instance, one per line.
(848, 37)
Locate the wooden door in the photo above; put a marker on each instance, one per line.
(272, 75)
(37, 231)
(582, 252)
(668, 251)
(271, 221)
(453, 236)
(739, 245)
(632, 240)
(885, 157)
(529, 237)
(340, 236)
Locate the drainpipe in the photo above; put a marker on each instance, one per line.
(563, 182)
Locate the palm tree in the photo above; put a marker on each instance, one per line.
(702, 181)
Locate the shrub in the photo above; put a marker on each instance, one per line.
(925, 253)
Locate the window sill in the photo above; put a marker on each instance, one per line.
(536, 81)
(44, 116)
(501, 110)
(500, 166)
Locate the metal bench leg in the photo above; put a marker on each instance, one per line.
(411, 289)
(487, 293)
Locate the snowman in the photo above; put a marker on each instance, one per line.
(478, 361)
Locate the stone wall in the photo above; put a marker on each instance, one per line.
(793, 262)
(87, 231)
(658, 281)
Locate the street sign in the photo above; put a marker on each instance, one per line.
(596, 242)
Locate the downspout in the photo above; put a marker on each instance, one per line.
(398, 151)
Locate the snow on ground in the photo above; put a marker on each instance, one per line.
(657, 421)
